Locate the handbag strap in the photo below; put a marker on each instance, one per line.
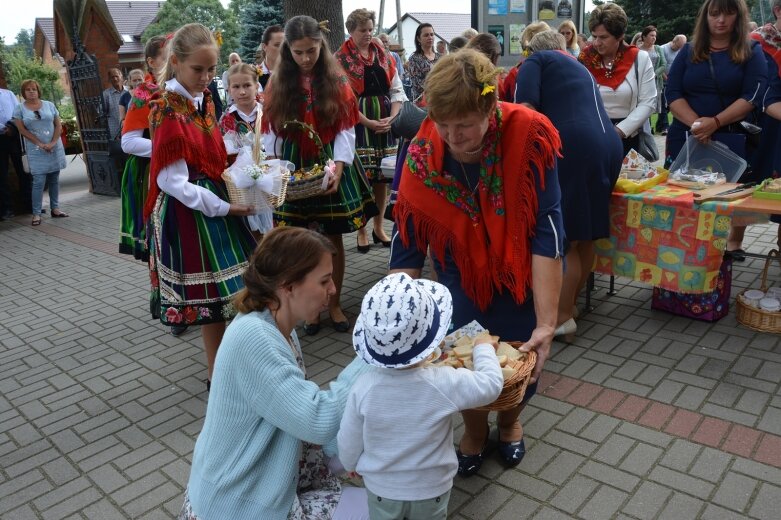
(715, 82)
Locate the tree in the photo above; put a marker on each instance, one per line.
(175, 13)
(670, 17)
(256, 16)
(320, 10)
(19, 67)
(24, 42)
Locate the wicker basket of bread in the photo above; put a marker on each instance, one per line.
(516, 366)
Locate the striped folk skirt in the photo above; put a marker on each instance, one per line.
(196, 262)
(132, 230)
(371, 147)
(342, 212)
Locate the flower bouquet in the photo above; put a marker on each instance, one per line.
(254, 181)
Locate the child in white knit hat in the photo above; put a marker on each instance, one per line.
(396, 429)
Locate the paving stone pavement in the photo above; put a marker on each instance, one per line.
(644, 415)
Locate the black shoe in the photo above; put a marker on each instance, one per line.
(341, 326)
(208, 385)
(512, 453)
(378, 240)
(311, 328)
(7, 215)
(360, 248)
(178, 330)
(469, 465)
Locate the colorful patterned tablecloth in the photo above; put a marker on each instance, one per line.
(662, 238)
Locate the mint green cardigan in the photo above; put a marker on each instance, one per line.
(245, 464)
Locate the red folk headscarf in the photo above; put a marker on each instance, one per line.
(179, 131)
(487, 233)
(622, 64)
(353, 63)
(770, 39)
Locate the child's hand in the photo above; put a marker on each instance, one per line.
(485, 337)
(241, 210)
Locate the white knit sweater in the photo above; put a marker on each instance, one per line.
(396, 429)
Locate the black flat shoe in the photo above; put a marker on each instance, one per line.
(378, 240)
(362, 249)
(208, 385)
(469, 465)
(178, 330)
(341, 326)
(511, 453)
(311, 328)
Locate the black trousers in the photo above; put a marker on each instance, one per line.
(10, 149)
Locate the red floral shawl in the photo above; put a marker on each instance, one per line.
(770, 39)
(179, 131)
(347, 118)
(137, 117)
(625, 58)
(487, 233)
(353, 63)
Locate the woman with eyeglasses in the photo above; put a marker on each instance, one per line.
(39, 123)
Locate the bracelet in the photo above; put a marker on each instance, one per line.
(718, 123)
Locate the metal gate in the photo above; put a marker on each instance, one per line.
(86, 89)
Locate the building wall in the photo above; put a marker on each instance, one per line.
(99, 41)
(43, 50)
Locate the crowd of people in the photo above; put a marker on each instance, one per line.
(504, 188)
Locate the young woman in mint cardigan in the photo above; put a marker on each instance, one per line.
(259, 454)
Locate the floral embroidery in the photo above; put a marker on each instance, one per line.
(172, 315)
(446, 185)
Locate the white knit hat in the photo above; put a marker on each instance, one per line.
(402, 321)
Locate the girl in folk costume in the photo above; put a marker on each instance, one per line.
(375, 80)
(137, 144)
(308, 85)
(270, 44)
(199, 246)
(238, 127)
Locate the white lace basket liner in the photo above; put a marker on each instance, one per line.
(313, 184)
(265, 192)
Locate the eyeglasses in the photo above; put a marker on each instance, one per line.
(37, 114)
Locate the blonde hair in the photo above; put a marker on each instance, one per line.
(469, 33)
(570, 25)
(27, 83)
(459, 84)
(547, 41)
(358, 18)
(241, 68)
(135, 72)
(531, 30)
(186, 41)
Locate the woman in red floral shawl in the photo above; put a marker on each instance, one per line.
(479, 190)
(375, 81)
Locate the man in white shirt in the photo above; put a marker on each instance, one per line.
(10, 148)
(670, 51)
(233, 59)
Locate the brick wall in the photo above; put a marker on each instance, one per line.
(43, 50)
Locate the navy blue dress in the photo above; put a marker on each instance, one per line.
(764, 158)
(560, 87)
(504, 317)
(694, 83)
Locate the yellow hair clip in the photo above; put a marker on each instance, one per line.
(487, 89)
